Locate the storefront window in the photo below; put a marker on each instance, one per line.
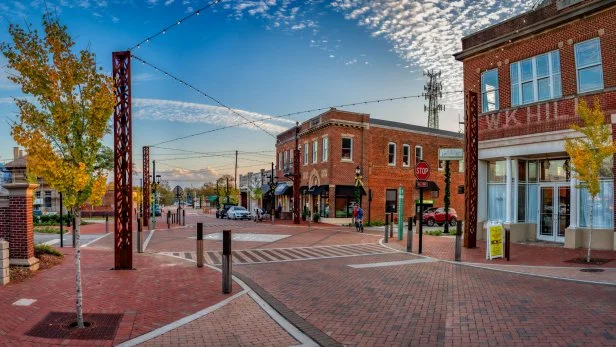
(496, 172)
(344, 207)
(554, 170)
(496, 190)
(527, 191)
(324, 204)
(603, 205)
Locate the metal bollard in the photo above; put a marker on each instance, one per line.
(106, 223)
(226, 261)
(183, 217)
(386, 227)
(391, 226)
(409, 236)
(168, 219)
(199, 244)
(139, 246)
(420, 230)
(507, 243)
(458, 251)
(74, 227)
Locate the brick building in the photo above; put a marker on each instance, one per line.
(530, 72)
(333, 144)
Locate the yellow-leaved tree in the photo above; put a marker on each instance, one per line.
(62, 118)
(589, 152)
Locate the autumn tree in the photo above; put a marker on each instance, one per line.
(62, 118)
(589, 152)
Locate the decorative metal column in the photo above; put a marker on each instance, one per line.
(146, 185)
(297, 176)
(471, 164)
(123, 158)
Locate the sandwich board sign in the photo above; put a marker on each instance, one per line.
(495, 241)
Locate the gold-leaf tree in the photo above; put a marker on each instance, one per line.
(589, 152)
(62, 118)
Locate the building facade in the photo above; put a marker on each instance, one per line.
(335, 144)
(530, 73)
(253, 187)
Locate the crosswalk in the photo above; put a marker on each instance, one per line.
(274, 255)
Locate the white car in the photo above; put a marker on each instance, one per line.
(238, 212)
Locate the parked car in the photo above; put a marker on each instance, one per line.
(222, 212)
(437, 216)
(238, 212)
(256, 212)
(157, 211)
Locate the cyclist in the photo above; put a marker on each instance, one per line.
(359, 219)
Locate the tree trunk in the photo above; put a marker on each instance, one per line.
(79, 304)
(590, 235)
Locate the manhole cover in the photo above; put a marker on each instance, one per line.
(58, 325)
(592, 270)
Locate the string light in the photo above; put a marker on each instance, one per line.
(164, 31)
(254, 122)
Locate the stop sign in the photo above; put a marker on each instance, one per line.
(422, 171)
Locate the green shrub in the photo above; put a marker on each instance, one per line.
(47, 230)
(434, 232)
(374, 224)
(46, 249)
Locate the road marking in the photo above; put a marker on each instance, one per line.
(96, 239)
(24, 302)
(392, 263)
(51, 242)
(147, 241)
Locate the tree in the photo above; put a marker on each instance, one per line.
(62, 122)
(589, 152)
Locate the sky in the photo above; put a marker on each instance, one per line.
(261, 58)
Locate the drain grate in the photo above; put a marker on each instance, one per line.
(57, 325)
(592, 270)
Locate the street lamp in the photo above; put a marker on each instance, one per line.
(357, 184)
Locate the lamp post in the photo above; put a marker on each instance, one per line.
(357, 184)
(155, 198)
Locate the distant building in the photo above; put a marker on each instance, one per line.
(253, 189)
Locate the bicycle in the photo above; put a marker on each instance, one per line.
(359, 225)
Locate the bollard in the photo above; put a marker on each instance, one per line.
(409, 236)
(507, 243)
(74, 227)
(183, 217)
(391, 226)
(226, 261)
(420, 230)
(386, 227)
(168, 219)
(199, 244)
(106, 223)
(458, 251)
(139, 246)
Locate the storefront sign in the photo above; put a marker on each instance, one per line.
(450, 154)
(400, 213)
(421, 184)
(494, 241)
(422, 171)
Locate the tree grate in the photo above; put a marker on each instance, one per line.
(58, 325)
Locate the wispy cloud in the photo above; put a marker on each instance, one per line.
(187, 112)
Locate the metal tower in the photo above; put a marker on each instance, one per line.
(433, 90)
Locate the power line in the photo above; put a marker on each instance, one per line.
(164, 31)
(302, 112)
(254, 122)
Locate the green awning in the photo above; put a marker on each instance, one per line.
(212, 198)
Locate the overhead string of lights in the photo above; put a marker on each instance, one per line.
(180, 21)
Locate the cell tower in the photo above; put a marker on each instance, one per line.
(433, 90)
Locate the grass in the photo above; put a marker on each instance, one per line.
(46, 230)
(46, 249)
(434, 232)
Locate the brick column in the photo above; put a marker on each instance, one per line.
(4, 263)
(21, 234)
(332, 201)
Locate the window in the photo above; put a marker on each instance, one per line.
(305, 153)
(347, 148)
(496, 190)
(589, 66)
(535, 79)
(418, 154)
(528, 191)
(391, 200)
(489, 90)
(441, 165)
(47, 199)
(315, 151)
(286, 160)
(603, 212)
(38, 194)
(391, 150)
(461, 165)
(406, 155)
(280, 161)
(325, 149)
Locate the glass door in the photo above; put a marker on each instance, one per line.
(546, 214)
(554, 213)
(564, 211)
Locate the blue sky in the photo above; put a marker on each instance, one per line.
(263, 58)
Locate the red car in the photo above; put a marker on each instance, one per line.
(437, 216)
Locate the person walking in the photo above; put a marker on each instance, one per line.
(354, 220)
(359, 219)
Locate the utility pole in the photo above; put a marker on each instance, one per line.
(296, 176)
(433, 91)
(227, 189)
(236, 169)
(273, 193)
(154, 195)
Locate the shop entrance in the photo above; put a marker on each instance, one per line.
(554, 212)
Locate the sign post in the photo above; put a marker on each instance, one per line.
(400, 213)
(422, 173)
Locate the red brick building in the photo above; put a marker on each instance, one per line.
(333, 144)
(530, 73)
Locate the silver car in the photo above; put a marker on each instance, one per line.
(238, 212)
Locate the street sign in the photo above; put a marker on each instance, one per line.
(178, 190)
(421, 184)
(422, 171)
(450, 154)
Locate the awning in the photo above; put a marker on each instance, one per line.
(265, 188)
(433, 186)
(317, 190)
(429, 185)
(348, 191)
(212, 198)
(281, 189)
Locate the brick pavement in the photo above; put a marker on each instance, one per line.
(148, 297)
(438, 303)
(242, 322)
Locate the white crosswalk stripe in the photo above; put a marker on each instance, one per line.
(274, 255)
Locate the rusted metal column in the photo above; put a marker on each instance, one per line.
(146, 186)
(297, 176)
(123, 160)
(471, 163)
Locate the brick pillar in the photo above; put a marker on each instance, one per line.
(21, 234)
(4, 263)
(332, 201)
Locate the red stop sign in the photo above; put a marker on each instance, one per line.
(422, 171)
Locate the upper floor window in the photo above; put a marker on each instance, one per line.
(391, 150)
(280, 161)
(315, 151)
(489, 90)
(306, 153)
(418, 154)
(406, 155)
(325, 149)
(347, 148)
(286, 159)
(535, 79)
(589, 66)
